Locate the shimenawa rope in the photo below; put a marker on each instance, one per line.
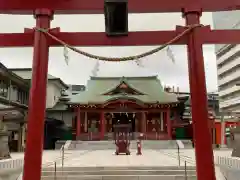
(127, 58)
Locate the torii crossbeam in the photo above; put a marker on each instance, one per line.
(43, 11)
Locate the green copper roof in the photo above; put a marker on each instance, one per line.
(26, 73)
(97, 86)
(60, 106)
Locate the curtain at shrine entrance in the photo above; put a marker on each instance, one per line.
(120, 118)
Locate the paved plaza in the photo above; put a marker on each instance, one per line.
(48, 156)
(107, 158)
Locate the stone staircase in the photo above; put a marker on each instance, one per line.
(102, 145)
(120, 173)
(158, 144)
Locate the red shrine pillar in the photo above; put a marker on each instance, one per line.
(37, 99)
(143, 123)
(102, 125)
(169, 124)
(203, 142)
(78, 124)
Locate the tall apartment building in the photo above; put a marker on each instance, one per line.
(228, 63)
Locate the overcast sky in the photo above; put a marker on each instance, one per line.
(80, 68)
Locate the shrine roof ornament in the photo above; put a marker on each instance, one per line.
(123, 88)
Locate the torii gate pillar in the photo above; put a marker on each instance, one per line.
(37, 100)
(202, 134)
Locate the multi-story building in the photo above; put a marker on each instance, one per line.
(228, 63)
(14, 92)
(184, 98)
(55, 85)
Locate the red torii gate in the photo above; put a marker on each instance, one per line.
(43, 12)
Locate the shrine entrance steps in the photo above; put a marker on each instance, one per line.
(121, 173)
(102, 145)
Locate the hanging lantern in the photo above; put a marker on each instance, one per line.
(116, 17)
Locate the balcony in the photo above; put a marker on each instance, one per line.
(230, 53)
(229, 66)
(229, 91)
(230, 102)
(231, 77)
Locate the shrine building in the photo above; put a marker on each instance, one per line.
(138, 101)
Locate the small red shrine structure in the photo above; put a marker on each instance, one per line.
(140, 102)
(122, 133)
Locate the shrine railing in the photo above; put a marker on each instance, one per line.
(155, 136)
(230, 162)
(133, 136)
(229, 167)
(11, 164)
(92, 137)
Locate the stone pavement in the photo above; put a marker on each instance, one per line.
(105, 165)
(17, 155)
(49, 156)
(12, 171)
(150, 158)
(191, 152)
(106, 158)
(189, 156)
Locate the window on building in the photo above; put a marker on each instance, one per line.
(228, 84)
(229, 72)
(27, 97)
(229, 59)
(19, 95)
(78, 87)
(3, 89)
(225, 49)
(22, 96)
(231, 96)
